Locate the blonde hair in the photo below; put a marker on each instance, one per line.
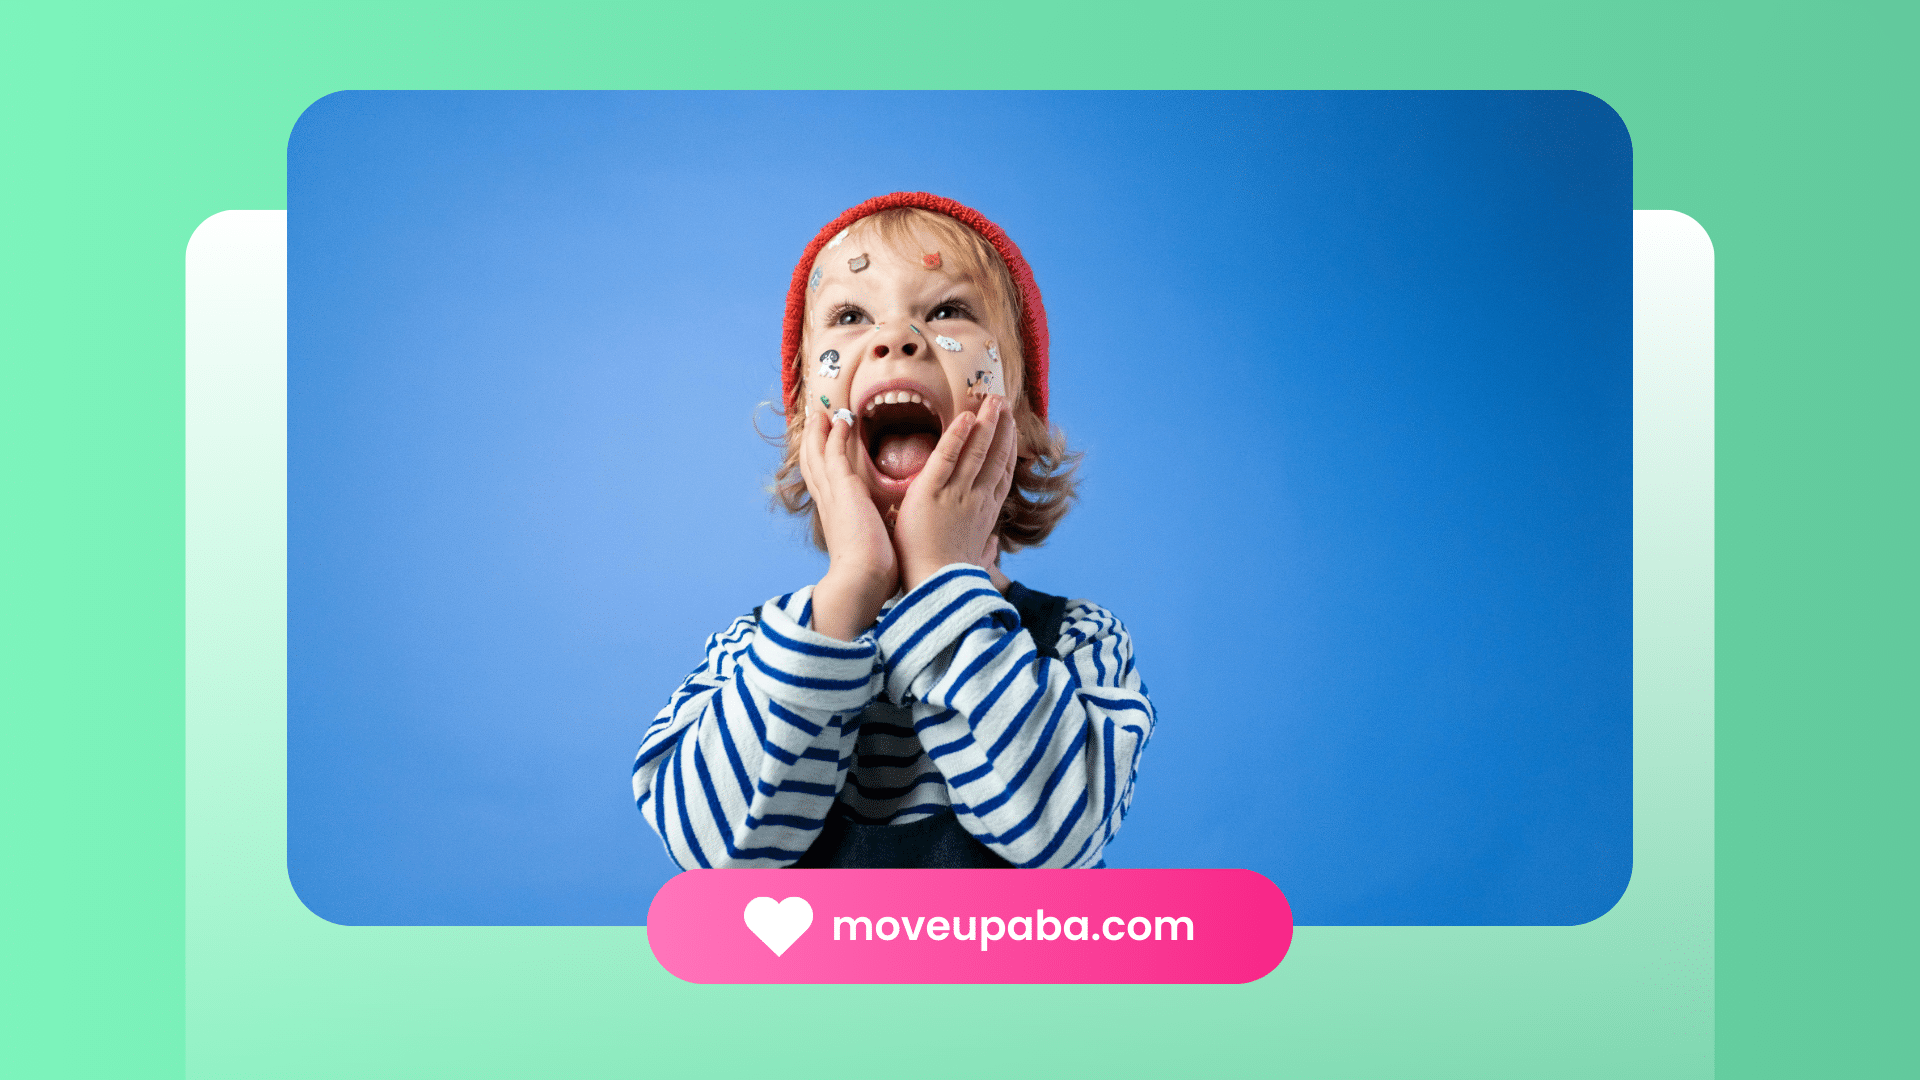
(1044, 484)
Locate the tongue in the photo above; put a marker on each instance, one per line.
(902, 456)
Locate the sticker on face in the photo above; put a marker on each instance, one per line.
(842, 235)
(824, 403)
(843, 416)
(858, 262)
(931, 260)
(814, 281)
(915, 329)
(988, 380)
(946, 343)
(830, 364)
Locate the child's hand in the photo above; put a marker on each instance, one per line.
(951, 508)
(863, 572)
(990, 559)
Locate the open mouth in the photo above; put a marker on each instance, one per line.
(900, 431)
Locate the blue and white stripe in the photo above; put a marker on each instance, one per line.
(1036, 756)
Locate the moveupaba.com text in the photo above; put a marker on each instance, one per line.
(1039, 926)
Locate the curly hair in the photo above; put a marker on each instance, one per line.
(1044, 484)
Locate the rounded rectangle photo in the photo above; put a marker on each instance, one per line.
(952, 481)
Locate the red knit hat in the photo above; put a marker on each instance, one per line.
(1033, 315)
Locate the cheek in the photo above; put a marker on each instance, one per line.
(972, 360)
(829, 374)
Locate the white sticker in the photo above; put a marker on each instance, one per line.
(993, 351)
(830, 363)
(858, 262)
(814, 281)
(843, 416)
(835, 242)
(946, 343)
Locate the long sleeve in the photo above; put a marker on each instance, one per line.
(1039, 754)
(750, 752)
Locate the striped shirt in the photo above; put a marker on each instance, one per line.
(944, 702)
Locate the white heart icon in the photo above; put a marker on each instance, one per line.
(779, 925)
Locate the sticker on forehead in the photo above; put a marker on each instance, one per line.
(987, 379)
(946, 343)
(858, 262)
(814, 281)
(931, 260)
(841, 235)
(830, 364)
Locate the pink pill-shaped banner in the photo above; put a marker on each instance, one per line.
(970, 926)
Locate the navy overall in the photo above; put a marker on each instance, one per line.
(939, 841)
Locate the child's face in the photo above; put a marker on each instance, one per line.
(906, 346)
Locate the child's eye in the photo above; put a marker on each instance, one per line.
(950, 310)
(846, 315)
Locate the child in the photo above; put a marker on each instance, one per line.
(913, 707)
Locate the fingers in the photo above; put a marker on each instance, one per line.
(813, 454)
(839, 451)
(996, 475)
(993, 417)
(945, 458)
(825, 463)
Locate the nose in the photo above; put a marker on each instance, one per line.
(907, 347)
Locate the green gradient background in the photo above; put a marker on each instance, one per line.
(1787, 134)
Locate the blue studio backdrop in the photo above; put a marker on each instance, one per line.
(1353, 377)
